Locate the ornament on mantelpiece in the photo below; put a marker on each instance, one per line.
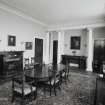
(74, 52)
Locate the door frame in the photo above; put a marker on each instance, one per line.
(38, 37)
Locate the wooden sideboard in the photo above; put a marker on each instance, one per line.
(11, 63)
(80, 60)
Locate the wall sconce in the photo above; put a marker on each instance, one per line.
(22, 42)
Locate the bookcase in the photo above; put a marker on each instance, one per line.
(11, 63)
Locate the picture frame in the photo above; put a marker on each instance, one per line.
(28, 45)
(11, 40)
(75, 42)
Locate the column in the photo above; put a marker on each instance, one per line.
(47, 48)
(90, 49)
(60, 45)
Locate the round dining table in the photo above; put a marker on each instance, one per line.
(44, 72)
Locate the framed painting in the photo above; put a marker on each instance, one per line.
(11, 40)
(28, 45)
(75, 42)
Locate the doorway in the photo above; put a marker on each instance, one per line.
(55, 51)
(99, 55)
(39, 50)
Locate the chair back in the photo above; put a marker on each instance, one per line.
(32, 60)
(50, 67)
(67, 70)
(26, 63)
(57, 76)
(18, 82)
(37, 67)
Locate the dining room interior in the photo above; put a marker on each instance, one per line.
(52, 52)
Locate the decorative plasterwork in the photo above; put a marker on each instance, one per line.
(97, 24)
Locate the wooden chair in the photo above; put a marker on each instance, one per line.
(50, 67)
(22, 89)
(53, 83)
(26, 64)
(65, 73)
(37, 67)
(31, 65)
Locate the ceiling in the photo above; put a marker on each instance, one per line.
(54, 12)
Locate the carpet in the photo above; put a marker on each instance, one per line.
(79, 90)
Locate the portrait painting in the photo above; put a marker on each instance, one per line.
(75, 42)
(28, 45)
(11, 40)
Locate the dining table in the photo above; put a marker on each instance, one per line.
(44, 72)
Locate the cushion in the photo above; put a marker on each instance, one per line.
(27, 89)
(52, 81)
(63, 74)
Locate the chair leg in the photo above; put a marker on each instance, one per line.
(50, 91)
(13, 96)
(22, 100)
(35, 95)
(55, 91)
(59, 88)
(65, 79)
(44, 89)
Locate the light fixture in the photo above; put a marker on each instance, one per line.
(22, 42)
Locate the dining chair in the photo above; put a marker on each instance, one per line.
(65, 73)
(23, 89)
(54, 82)
(37, 67)
(26, 64)
(31, 65)
(50, 67)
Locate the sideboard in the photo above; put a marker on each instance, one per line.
(11, 63)
(80, 60)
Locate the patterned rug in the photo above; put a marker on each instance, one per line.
(79, 90)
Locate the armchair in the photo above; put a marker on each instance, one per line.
(22, 89)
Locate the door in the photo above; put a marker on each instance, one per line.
(99, 55)
(55, 50)
(39, 50)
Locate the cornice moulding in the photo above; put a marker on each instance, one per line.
(21, 14)
(81, 26)
(98, 23)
